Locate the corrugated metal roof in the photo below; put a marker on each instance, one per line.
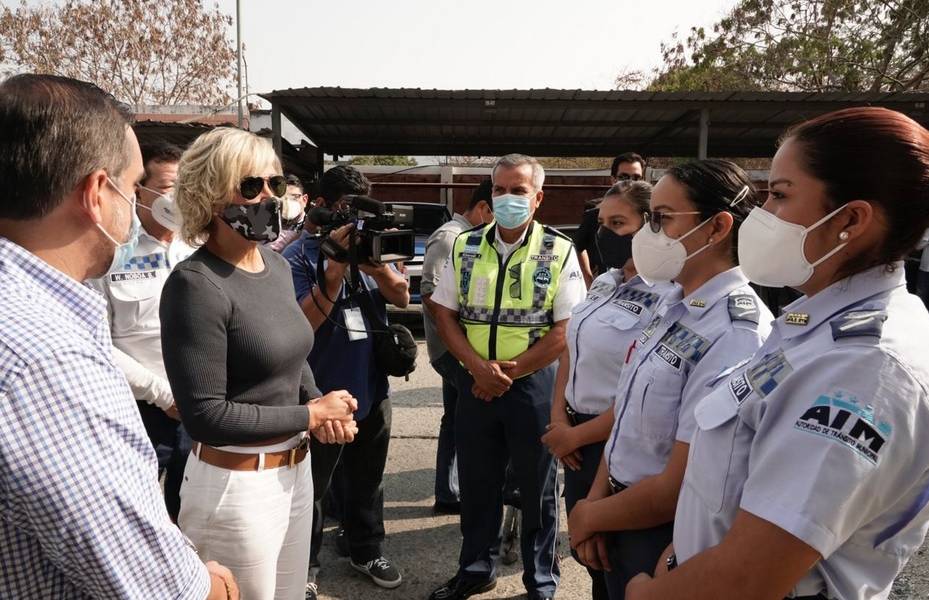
(551, 122)
(301, 161)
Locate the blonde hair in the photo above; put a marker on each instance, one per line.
(210, 171)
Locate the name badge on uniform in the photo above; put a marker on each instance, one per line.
(355, 324)
(801, 319)
(133, 276)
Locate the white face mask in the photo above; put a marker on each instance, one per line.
(164, 211)
(771, 249)
(658, 257)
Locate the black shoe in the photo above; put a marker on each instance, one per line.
(513, 498)
(341, 543)
(540, 597)
(446, 508)
(380, 571)
(459, 589)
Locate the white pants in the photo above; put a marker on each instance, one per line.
(256, 523)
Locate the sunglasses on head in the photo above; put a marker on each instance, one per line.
(250, 187)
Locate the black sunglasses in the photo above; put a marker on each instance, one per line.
(654, 217)
(516, 286)
(250, 187)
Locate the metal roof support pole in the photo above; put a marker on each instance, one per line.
(320, 164)
(704, 133)
(276, 129)
(238, 58)
(447, 195)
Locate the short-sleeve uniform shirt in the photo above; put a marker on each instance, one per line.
(687, 344)
(601, 334)
(823, 434)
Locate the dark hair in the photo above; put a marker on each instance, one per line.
(877, 155)
(712, 185)
(636, 193)
(482, 193)
(294, 181)
(340, 181)
(54, 132)
(627, 157)
(159, 152)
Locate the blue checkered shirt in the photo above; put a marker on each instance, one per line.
(81, 513)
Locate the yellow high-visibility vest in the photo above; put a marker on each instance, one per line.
(506, 306)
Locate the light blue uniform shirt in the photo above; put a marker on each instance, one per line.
(823, 434)
(689, 341)
(602, 330)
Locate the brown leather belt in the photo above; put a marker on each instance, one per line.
(250, 462)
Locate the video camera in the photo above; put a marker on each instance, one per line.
(370, 241)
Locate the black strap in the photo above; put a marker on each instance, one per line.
(367, 305)
(321, 284)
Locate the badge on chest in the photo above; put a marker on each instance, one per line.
(355, 324)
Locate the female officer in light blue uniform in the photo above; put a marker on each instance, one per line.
(808, 475)
(600, 335)
(712, 320)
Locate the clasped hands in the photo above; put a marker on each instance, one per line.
(332, 418)
(562, 440)
(492, 378)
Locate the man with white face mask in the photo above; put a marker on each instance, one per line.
(501, 307)
(80, 514)
(133, 295)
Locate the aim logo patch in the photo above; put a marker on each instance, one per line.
(840, 417)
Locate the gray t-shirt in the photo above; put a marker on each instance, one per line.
(438, 248)
(235, 346)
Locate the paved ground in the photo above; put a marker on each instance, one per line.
(425, 547)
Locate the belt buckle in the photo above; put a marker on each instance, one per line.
(292, 454)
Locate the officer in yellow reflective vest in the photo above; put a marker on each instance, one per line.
(501, 306)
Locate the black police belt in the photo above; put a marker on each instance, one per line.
(572, 414)
(671, 563)
(615, 486)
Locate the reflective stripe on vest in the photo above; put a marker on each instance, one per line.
(506, 307)
(468, 257)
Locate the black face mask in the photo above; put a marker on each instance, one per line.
(614, 249)
(260, 222)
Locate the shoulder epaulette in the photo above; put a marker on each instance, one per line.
(554, 231)
(743, 307)
(859, 323)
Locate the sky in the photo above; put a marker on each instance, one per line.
(450, 44)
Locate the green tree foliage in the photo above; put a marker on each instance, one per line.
(142, 51)
(803, 45)
(383, 160)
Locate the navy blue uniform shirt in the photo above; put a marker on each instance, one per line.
(337, 362)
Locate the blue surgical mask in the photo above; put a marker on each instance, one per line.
(125, 250)
(511, 210)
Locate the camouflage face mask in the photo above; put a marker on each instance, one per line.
(260, 222)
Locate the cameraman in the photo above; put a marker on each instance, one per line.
(345, 360)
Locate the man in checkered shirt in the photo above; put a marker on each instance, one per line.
(81, 514)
